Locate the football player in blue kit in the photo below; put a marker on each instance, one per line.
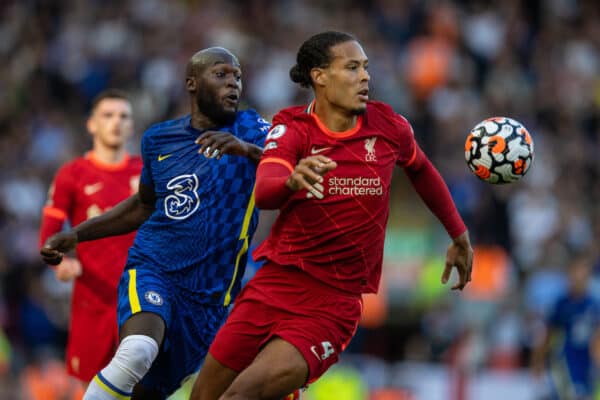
(195, 217)
(570, 350)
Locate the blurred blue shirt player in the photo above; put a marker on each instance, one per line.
(571, 348)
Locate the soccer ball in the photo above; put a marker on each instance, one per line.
(499, 150)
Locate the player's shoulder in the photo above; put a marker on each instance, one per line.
(167, 126)
(382, 110)
(296, 119)
(74, 168)
(77, 160)
(291, 114)
(250, 114)
(73, 164)
(379, 107)
(379, 112)
(250, 118)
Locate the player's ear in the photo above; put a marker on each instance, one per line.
(318, 76)
(191, 84)
(91, 125)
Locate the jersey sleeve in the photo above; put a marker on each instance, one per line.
(408, 147)
(59, 205)
(146, 174)
(259, 129)
(270, 190)
(283, 145)
(431, 187)
(399, 128)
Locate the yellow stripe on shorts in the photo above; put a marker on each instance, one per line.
(134, 301)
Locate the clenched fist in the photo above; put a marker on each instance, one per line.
(53, 250)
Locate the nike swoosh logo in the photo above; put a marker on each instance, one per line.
(314, 351)
(162, 158)
(317, 151)
(93, 188)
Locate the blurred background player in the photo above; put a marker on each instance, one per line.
(84, 188)
(328, 167)
(196, 218)
(570, 348)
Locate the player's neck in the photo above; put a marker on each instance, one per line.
(201, 122)
(334, 118)
(109, 155)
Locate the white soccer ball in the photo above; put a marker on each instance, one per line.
(499, 150)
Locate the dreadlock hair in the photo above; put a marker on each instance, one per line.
(314, 53)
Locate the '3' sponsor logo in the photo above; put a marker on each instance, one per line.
(183, 200)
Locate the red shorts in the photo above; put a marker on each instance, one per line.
(317, 319)
(93, 335)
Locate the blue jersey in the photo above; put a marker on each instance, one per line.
(205, 215)
(577, 319)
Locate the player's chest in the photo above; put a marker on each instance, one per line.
(98, 192)
(364, 169)
(190, 171)
(369, 153)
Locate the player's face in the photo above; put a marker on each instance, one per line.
(347, 79)
(579, 273)
(220, 89)
(111, 123)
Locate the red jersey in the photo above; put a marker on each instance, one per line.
(338, 239)
(84, 188)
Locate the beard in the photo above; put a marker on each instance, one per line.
(209, 106)
(358, 111)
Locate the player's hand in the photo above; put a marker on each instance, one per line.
(459, 256)
(308, 174)
(53, 250)
(213, 144)
(68, 269)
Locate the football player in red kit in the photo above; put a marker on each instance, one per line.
(328, 168)
(84, 188)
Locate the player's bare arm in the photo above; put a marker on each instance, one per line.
(459, 256)
(214, 144)
(309, 173)
(123, 218)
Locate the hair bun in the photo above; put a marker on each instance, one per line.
(295, 74)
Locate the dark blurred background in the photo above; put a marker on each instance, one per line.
(445, 65)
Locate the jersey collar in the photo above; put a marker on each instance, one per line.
(311, 111)
(91, 156)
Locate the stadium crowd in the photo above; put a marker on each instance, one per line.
(445, 65)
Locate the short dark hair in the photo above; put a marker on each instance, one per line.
(109, 94)
(314, 52)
